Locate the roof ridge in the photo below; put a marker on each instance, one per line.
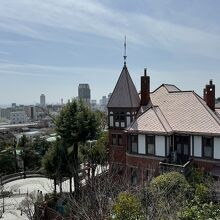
(183, 91)
(139, 116)
(126, 71)
(164, 85)
(157, 88)
(163, 117)
(215, 117)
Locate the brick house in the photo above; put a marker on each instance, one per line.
(167, 129)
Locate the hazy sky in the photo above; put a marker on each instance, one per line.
(50, 46)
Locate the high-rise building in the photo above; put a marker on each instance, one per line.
(13, 105)
(84, 93)
(93, 104)
(42, 100)
(32, 112)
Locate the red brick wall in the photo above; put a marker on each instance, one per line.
(205, 165)
(117, 153)
(143, 163)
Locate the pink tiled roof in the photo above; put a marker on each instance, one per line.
(177, 111)
(150, 122)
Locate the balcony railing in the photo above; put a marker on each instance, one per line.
(185, 169)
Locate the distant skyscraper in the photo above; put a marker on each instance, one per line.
(32, 112)
(103, 101)
(42, 100)
(84, 93)
(13, 105)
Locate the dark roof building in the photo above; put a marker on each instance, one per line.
(128, 97)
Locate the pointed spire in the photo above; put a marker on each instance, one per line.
(125, 56)
(125, 94)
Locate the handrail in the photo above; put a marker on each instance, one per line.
(165, 167)
(20, 175)
(176, 165)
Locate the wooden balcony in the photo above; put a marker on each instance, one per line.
(166, 166)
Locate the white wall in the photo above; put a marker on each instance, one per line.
(217, 148)
(141, 144)
(160, 146)
(197, 146)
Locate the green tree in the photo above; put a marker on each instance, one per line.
(202, 192)
(127, 207)
(94, 153)
(103, 119)
(29, 157)
(7, 163)
(76, 124)
(196, 210)
(53, 163)
(41, 146)
(168, 193)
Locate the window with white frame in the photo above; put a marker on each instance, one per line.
(150, 144)
(134, 144)
(207, 147)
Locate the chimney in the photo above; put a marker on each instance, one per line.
(209, 95)
(145, 88)
(204, 94)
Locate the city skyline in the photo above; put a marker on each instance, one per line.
(50, 47)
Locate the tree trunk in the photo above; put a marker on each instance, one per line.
(71, 184)
(55, 185)
(93, 171)
(88, 173)
(24, 168)
(75, 170)
(61, 189)
(93, 174)
(15, 155)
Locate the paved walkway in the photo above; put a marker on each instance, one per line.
(20, 189)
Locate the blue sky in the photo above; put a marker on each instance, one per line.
(50, 46)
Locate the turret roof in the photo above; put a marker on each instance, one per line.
(125, 94)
